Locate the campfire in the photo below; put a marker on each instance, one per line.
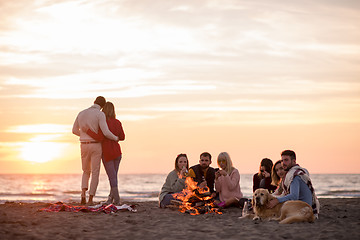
(195, 200)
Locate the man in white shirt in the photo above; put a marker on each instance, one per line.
(91, 151)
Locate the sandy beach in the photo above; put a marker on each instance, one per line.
(339, 219)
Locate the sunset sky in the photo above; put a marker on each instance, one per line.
(251, 78)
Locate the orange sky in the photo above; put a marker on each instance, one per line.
(249, 78)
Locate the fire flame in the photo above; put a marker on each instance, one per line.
(191, 195)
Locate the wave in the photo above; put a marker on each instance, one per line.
(72, 192)
(143, 193)
(341, 193)
(142, 187)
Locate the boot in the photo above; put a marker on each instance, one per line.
(110, 198)
(116, 196)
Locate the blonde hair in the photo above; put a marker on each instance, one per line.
(229, 165)
(109, 110)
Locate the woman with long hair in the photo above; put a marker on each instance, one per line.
(175, 180)
(262, 179)
(277, 175)
(227, 182)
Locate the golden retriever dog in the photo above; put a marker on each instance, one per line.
(287, 212)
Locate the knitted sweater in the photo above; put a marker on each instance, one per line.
(229, 186)
(172, 184)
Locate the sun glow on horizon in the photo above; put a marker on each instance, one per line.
(40, 152)
(42, 146)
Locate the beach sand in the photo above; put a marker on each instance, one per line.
(339, 219)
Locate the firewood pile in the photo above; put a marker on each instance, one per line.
(194, 200)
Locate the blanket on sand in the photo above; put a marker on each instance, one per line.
(111, 208)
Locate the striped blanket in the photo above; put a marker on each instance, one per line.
(62, 207)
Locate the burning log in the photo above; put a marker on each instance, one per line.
(176, 202)
(195, 200)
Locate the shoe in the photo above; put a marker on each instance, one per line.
(222, 204)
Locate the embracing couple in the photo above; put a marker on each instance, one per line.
(99, 133)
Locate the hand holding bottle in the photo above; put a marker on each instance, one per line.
(184, 172)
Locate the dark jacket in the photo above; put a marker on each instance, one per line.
(256, 183)
(210, 176)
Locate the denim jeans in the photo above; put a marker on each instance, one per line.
(166, 200)
(112, 168)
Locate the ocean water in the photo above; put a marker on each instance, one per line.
(141, 187)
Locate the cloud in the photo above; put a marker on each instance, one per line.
(206, 56)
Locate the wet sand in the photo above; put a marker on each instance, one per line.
(339, 219)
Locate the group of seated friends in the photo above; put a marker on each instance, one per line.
(285, 179)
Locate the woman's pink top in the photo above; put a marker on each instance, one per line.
(229, 186)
